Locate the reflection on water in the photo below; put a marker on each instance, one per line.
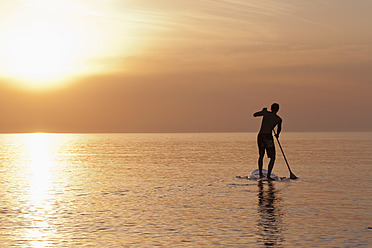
(269, 223)
(179, 190)
(38, 149)
(35, 202)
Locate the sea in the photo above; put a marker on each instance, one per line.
(182, 190)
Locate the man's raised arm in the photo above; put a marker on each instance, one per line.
(260, 113)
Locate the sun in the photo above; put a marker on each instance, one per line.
(45, 43)
(40, 50)
(38, 54)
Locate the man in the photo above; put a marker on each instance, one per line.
(265, 139)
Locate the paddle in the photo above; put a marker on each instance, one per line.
(292, 176)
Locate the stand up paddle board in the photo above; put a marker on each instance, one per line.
(255, 175)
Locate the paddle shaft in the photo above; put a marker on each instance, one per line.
(291, 174)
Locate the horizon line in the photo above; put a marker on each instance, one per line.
(186, 132)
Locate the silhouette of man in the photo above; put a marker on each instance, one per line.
(265, 139)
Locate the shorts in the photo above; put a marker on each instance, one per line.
(265, 142)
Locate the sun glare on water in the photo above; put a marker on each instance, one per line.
(40, 180)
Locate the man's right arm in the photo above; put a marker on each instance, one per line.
(279, 129)
(260, 113)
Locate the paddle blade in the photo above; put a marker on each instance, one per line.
(292, 176)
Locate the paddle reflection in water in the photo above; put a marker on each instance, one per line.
(269, 224)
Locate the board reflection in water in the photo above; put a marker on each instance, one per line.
(269, 224)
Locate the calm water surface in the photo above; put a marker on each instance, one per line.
(181, 190)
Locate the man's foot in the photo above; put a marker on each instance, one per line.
(270, 179)
(262, 175)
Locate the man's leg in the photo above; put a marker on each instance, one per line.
(261, 152)
(260, 163)
(271, 154)
(270, 167)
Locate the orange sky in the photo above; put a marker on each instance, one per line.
(181, 66)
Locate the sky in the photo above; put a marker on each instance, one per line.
(184, 66)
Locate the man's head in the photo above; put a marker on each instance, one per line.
(275, 107)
